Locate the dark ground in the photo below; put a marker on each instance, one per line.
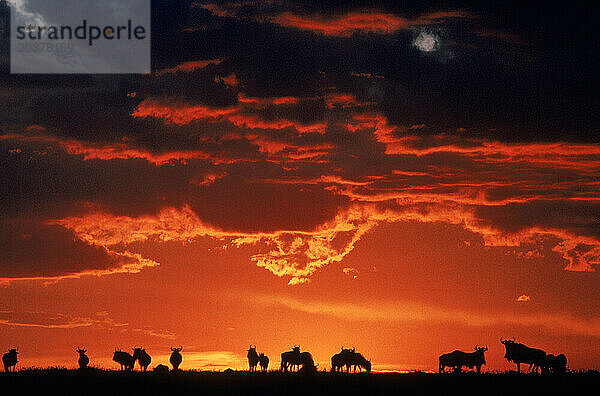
(104, 382)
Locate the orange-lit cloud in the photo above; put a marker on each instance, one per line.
(523, 298)
(55, 320)
(242, 115)
(425, 178)
(366, 22)
(179, 113)
(187, 67)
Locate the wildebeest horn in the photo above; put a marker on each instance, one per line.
(180, 348)
(486, 348)
(172, 349)
(514, 339)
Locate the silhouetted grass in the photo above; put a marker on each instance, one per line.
(107, 382)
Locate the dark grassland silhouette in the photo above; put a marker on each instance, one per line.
(54, 381)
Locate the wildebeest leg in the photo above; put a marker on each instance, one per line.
(518, 367)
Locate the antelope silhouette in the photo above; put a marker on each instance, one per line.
(83, 359)
(176, 357)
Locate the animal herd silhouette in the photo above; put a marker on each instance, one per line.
(296, 360)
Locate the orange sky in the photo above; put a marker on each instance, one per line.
(420, 290)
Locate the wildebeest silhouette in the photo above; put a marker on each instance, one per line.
(264, 362)
(124, 359)
(349, 358)
(10, 359)
(339, 360)
(176, 357)
(142, 357)
(252, 358)
(307, 363)
(554, 364)
(457, 359)
(519, 353)
(357, 360)
(291, 359)
(83, 359)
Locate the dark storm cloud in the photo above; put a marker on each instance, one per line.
(543, 91)
(31, 250)
(317, 136)
(580, 218)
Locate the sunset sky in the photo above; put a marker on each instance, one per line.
(408, 178)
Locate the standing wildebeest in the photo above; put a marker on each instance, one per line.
(142, 357)
(554, 364)
(307, 363)
(264, 361)
(10, 359)
(83, 359)
(291, 359)
(252, 358)
(458, 359)
(124, 359)
(339, 360)
(519, 353)
(176, 357)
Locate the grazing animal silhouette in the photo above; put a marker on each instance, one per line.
(252, 358)
(519, 353)
(554, 364)
(458, 359)
(291, 359)
(124, 359)
(264, 362)
(307, 363)
(355, 360)
(161, 369)
(339, 360)
(83, 359)
(10, 359)
(176, 357)
(142, 357)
